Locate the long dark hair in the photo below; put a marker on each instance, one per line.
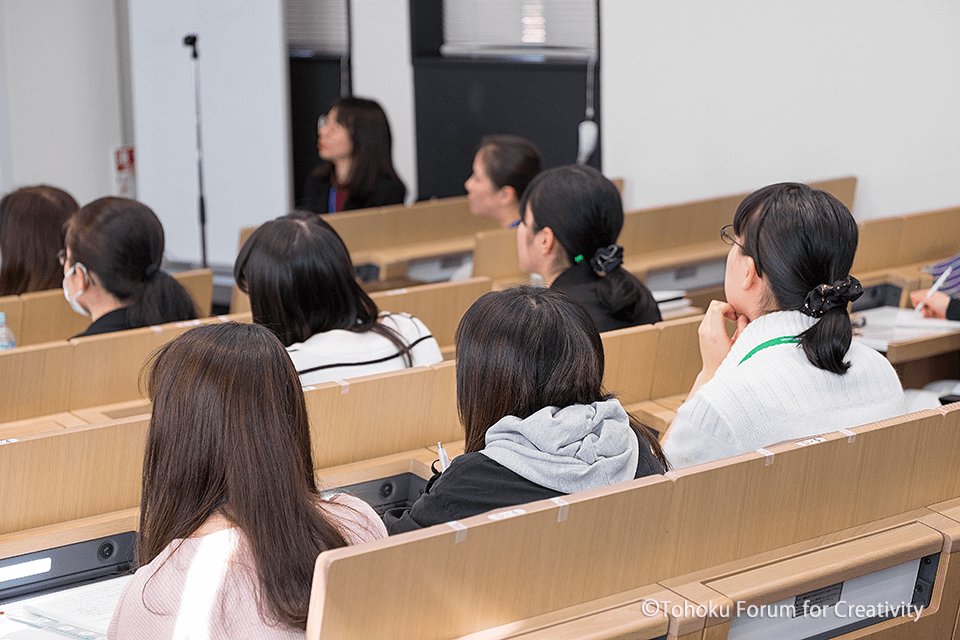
(585, 212)
(120, 242)
(510, 161)
(525, 348)
(31, 233)
(229, 434)
(301, 282)
(372, 143)
(800, 238)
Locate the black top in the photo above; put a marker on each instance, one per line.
(316, 192)
(474, 484)
(116, 320)
(580, 283)
(953, 309)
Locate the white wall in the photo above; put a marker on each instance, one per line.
(706, 98)
(245, 130)
(382, 70)
(59, 100)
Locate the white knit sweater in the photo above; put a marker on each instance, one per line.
(778, 395)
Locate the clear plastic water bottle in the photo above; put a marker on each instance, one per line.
(6, 336)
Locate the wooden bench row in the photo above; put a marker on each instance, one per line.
(755, 529)
(44, 316)
(83, 380)
(676, 554)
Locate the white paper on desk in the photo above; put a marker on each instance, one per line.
(885, 325)
(89, 606)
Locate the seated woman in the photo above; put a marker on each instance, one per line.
(31, 233)
(301, 283)
(791, 369)
(537, 421)
(572, 218)
(502, 168)
(111, 268)
(357, 171)
(231, 520)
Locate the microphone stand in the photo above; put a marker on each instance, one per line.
(191, 41)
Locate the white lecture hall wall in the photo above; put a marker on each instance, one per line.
(699, 99)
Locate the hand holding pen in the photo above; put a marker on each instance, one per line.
(931, 302)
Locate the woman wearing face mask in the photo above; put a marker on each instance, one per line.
(357, 172)
(791, 370)
(111, 268)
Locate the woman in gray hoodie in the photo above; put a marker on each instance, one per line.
(537, 421)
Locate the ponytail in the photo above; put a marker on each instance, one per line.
(161, 299)
(827, 342)
(619, 292)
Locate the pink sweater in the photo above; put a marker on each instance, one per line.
(206, 587)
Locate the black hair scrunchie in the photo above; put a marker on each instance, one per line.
(606, 259)
(151, 271)
(826, 296)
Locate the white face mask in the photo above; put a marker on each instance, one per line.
(66, 291)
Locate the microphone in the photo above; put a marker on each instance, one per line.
(190, 40)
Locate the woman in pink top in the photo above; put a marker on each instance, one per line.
(231, 519)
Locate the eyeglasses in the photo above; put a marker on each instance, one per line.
(726, 237)
(321, 122)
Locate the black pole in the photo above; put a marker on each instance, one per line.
(191, 41)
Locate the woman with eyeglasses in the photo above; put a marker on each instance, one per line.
(791, 369)
(356, 147)
(31, 232)
(111, 268)
(572, 217)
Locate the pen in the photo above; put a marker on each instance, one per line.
(934, 288)
(444, 458)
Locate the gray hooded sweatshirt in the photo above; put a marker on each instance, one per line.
(573, 449)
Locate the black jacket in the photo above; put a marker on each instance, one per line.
(580, 283)
(116, 320)
(474, 484)
(316, 193)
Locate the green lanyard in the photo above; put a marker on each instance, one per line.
(769, 343)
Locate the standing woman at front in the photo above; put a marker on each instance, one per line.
(572, 217)
(111, 268)
(791, 369)
(357, 172)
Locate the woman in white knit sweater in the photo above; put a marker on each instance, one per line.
(791, 369)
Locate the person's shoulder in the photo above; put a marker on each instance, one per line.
(357, 519)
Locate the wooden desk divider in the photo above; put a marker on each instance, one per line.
(439, 306)
(373, 416)
(676, 367)
(929, 236)
(392, 237)
(495, 256)
(199, 284)
(515, 565)
(630, 355)
(76, 473)
(443, 416)
(48, 317)
(12, 307)
(106, 368)
(36, 380)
